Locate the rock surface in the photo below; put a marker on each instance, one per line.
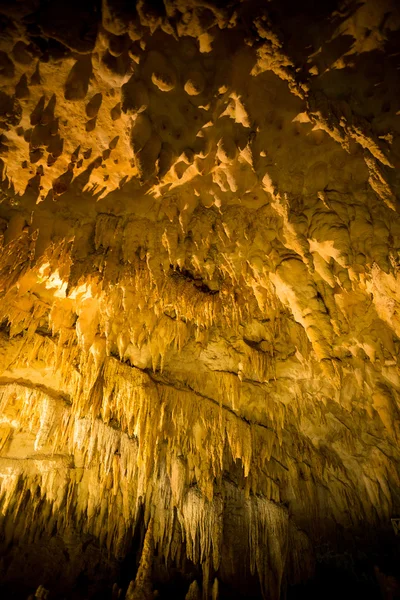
(199, 294)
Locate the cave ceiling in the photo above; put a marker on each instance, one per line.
(199, 283)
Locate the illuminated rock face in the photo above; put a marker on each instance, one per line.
(199, 295)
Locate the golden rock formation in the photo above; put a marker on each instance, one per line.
(199, 296)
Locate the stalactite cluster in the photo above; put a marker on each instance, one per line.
(199, 296)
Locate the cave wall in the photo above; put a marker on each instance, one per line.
(199, 293)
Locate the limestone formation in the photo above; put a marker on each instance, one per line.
(199, 299)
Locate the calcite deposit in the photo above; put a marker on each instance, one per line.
(199, 299)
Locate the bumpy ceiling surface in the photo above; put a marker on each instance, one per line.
(199, 291)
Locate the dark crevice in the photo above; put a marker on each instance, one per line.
(181, 272)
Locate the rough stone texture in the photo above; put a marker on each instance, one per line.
(199, 295)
